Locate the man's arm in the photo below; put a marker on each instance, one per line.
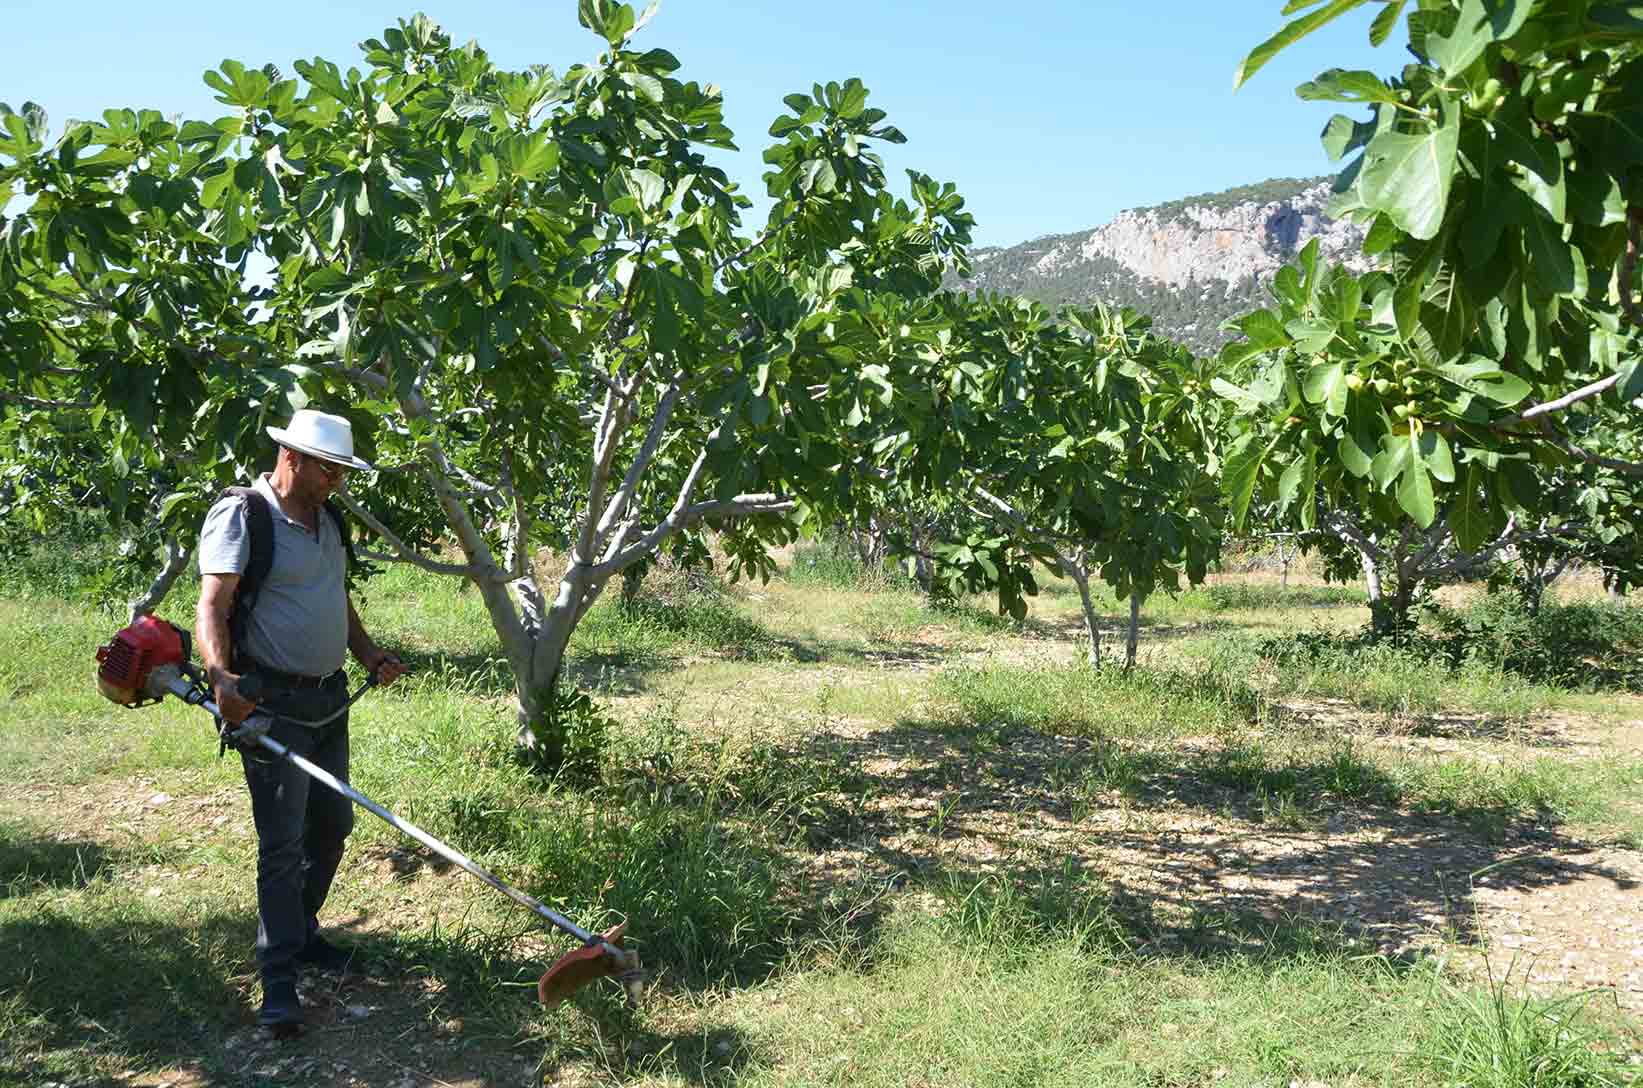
(211, 636)
(385, 666)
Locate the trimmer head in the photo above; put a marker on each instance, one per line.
(577, 968)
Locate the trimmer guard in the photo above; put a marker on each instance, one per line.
(577, 968)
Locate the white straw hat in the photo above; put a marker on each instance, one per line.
(318, 434)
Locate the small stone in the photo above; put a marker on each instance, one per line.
(358, 1012)
(721, 1049)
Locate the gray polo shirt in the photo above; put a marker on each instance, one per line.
(300, 622)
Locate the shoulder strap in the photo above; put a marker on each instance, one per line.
(342, 531)
(259, 524)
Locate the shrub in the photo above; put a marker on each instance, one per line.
(1587, 644)
(570, 737)
(80, 560)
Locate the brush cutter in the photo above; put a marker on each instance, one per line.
(150, 659)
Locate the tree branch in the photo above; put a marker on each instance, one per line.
(1345, 527)
(518, 557)
(1466, 562)
(1436, 537)
(587, 369)
(176, 559)
(770, 232)
(370, 380)
(612, 422)
(1583, 393)
(101, 306)
(630, 482)
(680, 518)
(480, 487)
(620, 540)
(1628, 265)
(402, 553)
(1575, 451)
(45, 402)
(1074, 567)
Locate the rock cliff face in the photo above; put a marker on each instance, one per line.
(1190, 263)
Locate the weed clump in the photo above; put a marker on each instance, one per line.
(570, 736)
(1492, 1039)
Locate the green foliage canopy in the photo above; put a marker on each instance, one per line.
(519, 285)
(1495, 347)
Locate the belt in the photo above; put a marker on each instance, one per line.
(290, 681)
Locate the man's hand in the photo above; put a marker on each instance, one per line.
(387, 668)
(230, 704)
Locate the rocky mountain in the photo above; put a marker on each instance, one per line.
(1190, 263)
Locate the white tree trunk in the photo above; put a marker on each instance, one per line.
(1078, 571)
(1371, 578)
(1135, 631)
(176, 561)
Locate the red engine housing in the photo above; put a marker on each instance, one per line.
(124, 665)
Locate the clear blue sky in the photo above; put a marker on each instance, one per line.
(1050, 116)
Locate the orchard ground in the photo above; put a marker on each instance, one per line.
(859, 842)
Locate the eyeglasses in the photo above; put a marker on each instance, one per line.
(333, 472)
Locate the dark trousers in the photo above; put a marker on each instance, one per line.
(301, 823)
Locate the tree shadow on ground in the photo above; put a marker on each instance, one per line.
(1203, 831)
(1151, 629)
(887, 654)
(121, 989)
(635, 672)
(28, 863)
(486, 674)
(84, 999)
(1328, 714)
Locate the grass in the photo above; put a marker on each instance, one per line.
(982, 995)
(1291, 783)
(1492, 1040)
(1383, 679)
(651, 631)
(1075, 700)
(1250, 596)
(744, 819)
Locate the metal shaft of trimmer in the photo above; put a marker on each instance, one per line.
(180, 688)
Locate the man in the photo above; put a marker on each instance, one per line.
(295, 637)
